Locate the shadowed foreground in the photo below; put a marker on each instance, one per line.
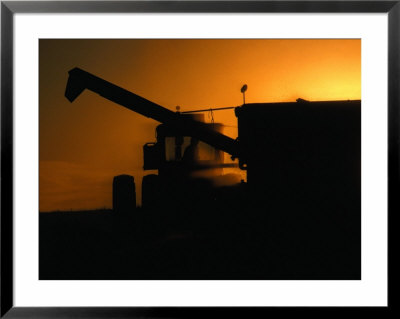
(104, 245)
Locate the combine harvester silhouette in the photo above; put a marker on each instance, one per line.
(302, 197)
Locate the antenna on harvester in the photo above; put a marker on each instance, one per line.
(243, 90)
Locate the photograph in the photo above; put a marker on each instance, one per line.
(199, 159)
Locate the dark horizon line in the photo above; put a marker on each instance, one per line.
(79, 210)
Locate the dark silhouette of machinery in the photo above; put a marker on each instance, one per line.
(124, 194)
(299, 212)
(185, 146)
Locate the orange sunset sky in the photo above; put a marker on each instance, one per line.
(83, 144)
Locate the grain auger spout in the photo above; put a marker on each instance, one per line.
(79, 80)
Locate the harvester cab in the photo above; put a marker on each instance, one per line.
(177, 149)
(183, 162)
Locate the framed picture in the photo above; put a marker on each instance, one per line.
(235, 154)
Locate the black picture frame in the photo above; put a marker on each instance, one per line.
(9, 8)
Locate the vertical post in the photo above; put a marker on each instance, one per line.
(243, 90)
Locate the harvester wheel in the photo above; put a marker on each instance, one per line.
(124, 194)
(150, 191)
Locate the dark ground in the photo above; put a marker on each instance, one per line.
(103, 245)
